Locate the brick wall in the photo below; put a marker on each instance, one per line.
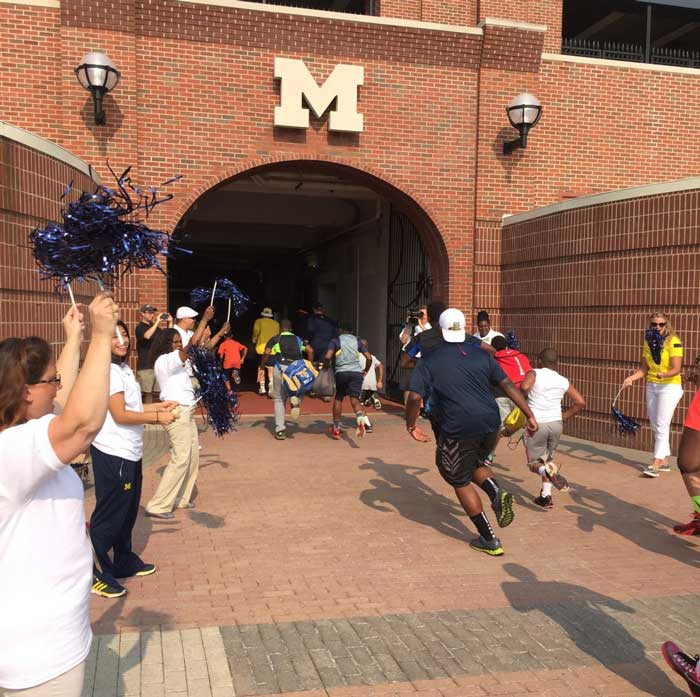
(585, 282)
(31, 184)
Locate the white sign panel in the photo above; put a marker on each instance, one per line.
(342, 85)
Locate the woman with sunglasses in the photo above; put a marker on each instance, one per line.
(664, 389)
(45, 556)
(171, 367)
(116, 455)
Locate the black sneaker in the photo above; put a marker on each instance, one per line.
(145, 570)
(492, 547)
(107, 590)
(503, 508)
(280, 435)
(544, 501)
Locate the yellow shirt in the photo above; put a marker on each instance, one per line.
(672, 349)
(263, 330)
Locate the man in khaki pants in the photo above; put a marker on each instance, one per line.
(171, 369)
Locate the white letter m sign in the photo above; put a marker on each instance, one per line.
(342, 84)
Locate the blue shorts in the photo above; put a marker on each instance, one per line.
(348, 384)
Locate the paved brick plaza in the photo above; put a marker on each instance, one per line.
(341, 568)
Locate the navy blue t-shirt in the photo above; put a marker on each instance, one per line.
(460, 378)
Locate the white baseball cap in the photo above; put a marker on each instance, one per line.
(453, 324)
(185, 313)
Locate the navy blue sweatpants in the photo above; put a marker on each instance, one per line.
(118, 494)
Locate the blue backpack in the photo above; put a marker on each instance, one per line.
(298, 377)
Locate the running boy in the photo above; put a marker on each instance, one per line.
(545, 388)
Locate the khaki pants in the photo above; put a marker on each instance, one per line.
(175, 488)
(69, 684)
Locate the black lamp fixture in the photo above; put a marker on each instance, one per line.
(523, 113)
(97, 74)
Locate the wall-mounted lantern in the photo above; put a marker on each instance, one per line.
(523, 113)
(97, 74)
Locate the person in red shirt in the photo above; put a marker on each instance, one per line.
(516, 366)
(232, 354)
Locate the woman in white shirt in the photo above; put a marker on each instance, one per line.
(45, 556)
(170, 364)
(116, 454)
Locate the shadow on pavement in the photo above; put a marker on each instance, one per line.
(597, 454)
(401, 489)
(645, 528)
(208, 520)
(586, 618)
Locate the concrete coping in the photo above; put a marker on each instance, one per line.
(689, 184)
(340, 16)
(47, 147)
(629, 65)
(55, 4)
(511, 24)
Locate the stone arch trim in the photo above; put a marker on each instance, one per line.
(417, 207)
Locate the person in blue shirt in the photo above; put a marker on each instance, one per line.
(460, 377)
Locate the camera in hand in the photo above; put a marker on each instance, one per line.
(414, 316)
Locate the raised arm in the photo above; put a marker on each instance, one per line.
(71, 432)
(68, 362)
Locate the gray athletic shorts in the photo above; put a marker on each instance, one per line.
(543, 444)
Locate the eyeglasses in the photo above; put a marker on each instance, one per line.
(56, 380)
(657, 324)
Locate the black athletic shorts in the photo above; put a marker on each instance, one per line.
(348, 384)
(457, 458)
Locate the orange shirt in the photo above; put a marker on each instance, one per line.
(231, 351)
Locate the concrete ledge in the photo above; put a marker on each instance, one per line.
(47, 147)
(627, 65)
(55, 4)
(511, 24)
(339, 16)
(669, 187)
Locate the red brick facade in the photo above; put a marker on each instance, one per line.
(197, 97)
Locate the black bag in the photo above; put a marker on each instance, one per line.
(324, 384)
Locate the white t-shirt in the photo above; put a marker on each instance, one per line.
(546, 394)
(174, 380)
(116, 439)
(370, 381)
(489, 337)
(185, 335)
(45, 560)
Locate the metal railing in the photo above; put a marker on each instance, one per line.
(630, 52)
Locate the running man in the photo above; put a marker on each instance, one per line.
(460, 377)
(545, 389)
(349, 375)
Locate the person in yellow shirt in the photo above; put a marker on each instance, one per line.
(264, 329)
(662, 359)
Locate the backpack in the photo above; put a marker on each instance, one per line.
(298, 377)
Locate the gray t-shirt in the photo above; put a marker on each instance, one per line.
(347, 349)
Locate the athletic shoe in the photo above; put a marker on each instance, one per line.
(650, 471)
(334, 432)
(492, 547)
(296, 406)
(488, 460)
(692, 527)
(107, 590)
(544, 501)
(280, 435)
(163, 516)
(503, 509)
(368, 429)
(551, 471)
(665, 467)
(682, 664)
(262, 391)
(376, 403)
(361, 428)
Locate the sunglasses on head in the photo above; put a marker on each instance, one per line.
(657, 324)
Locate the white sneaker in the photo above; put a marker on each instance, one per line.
(261, 390)
(650, 471)
(296, 406)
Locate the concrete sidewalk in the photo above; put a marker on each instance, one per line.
(341, 568)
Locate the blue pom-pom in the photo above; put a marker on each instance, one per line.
(101, 236)
(624, 423)
(220, 402)
(225, 290)
(512, 341)
(655, 340)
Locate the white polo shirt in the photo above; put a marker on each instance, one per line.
(174, 380)
(45, 560)
(122, 440)
(185, 334)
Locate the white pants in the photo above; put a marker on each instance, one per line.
(69, 684)
(662, 401)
